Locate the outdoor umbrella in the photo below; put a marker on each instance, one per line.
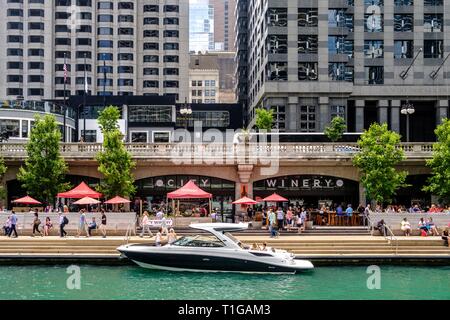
(117, 200)
(87, 200)
(27, 200)
(275, 198)
(245, 200)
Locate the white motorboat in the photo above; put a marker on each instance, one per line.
(214, 251)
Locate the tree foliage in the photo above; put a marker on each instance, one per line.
(336, 129)
(378, 156)
(44, 171)
(439, 182)
(3, 169)
(264, 119)
(115, 162)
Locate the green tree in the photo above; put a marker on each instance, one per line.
(439, 182)
(336, 129)
(264, 119)
(3, 169)
(44, 171)
(378, 156)
(115, 162)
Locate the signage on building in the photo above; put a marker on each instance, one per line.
(300, 183)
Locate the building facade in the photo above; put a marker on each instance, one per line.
(201, 26)
(204, 79)
(131, 48)
(363, 60)
(224, 20)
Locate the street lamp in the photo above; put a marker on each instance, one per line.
(407, 109)
(186, 112)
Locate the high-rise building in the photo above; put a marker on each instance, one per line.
(365, 61)
(224, 21)
(136, 47)
(201, 26)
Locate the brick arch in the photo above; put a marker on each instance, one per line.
(225, 173)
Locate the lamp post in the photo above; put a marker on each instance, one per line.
(407, 109)
(186, 112)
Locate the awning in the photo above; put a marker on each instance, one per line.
(275, 198)
(245, 200)
(117, 200)
(81, 191)
(189, 191)
(87, 200)
(26, 200)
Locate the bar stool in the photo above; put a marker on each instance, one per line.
(332, 220)
(340, 220)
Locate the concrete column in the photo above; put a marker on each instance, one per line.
(383, 106)
(388, 39)
(362, 194)
(441, 111)
(359, 45)
(359, 118)
(324, 113)
(292, 34)
(322, 39)
(395, 115)
(292, 114)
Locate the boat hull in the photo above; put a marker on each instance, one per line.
(211, 262)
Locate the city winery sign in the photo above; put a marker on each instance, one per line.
(300, 183)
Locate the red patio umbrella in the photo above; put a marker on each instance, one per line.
(245, 200)
(117, 200)
(275, 198)
(87, 200)
(27, 200)
(80, 191)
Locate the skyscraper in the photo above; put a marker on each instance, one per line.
(142, 45)
(201, 26)
(224, 21)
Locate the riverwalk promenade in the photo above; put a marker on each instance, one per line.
(321, 249)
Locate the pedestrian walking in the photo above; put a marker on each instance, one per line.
(14, 221)
(63, 221)
(82, 224)
(102, 227)
(145, 226)
(280, 218)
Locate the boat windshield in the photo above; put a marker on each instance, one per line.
(199, 241)
(235, 240)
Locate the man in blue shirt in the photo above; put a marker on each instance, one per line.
(349, 212)
(13, 225)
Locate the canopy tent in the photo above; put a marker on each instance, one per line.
(245, 201)
(189, 191)
(275, 198)
(87, 200)
(117, 200)
(81, 191)
(26, 200)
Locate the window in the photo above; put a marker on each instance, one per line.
(151, 8)
(139, 136)
(403, 49)
(105, 18)
(277, 71)
(404, 2)
(340, 45)
(308, 71)
(151, 20)
(339, 18)
(171, 71)
(209, 119)
(125, 44)
(161, 136)
(171, 21)
(151, 33)
(105, 5)
(125, 57)
(171, 33)
(374, 49)
(124, 69)
(151, 71)
(150, 114)
(171, 46)
(171, 8)
(403, 22)
(126, 5)
(10, 127)
(307, 44)
(125, 82)
(433, 49)
(308, 17)
(337, 111)
(104, 69)
(105, 82)
(84, 42)
(171, 84)
(105, 44)
(151, 46)
(151, 84)
(433, 23)
(89, 135)
(104, 31)
(24, 128)
(278, 17)
(374, 75)
(307, 118)
(340, 72)
(125, 31)
(433, 2)
(150, 58)
(373, 22)
(277, 44)
(171, 59)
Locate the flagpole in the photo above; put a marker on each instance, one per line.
(84, 100)
(65, 99)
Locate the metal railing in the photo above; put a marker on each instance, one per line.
(130, 228)
(389, 235)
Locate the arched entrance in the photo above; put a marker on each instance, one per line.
(414, 193)
(153, 190)
(310, 190)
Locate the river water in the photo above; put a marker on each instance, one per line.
(132, 282)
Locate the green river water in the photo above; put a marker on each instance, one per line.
(132, 282)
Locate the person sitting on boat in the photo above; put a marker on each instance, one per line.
(254, 247)
(264, 247)
(172, 236)
(158, 238)
(164, 226)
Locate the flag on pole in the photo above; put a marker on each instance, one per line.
(65, 72)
